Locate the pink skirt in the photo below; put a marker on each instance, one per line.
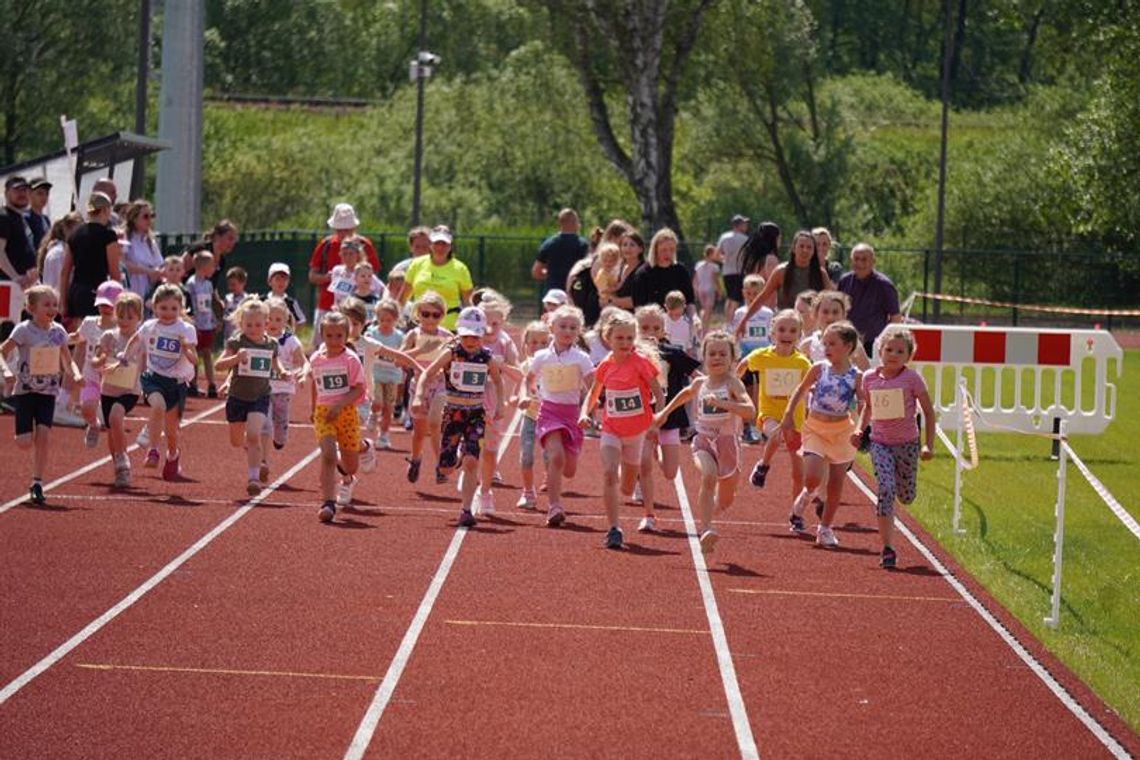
(561, 418)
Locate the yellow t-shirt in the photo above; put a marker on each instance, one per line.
(450, 280)
(778, 377)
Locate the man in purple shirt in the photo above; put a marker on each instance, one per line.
(874, 300)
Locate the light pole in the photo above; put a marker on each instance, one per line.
(419, 70)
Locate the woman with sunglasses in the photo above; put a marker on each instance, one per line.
(441, 272)
(141, 257)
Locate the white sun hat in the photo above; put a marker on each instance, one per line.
(343, 217)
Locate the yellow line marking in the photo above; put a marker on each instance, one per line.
(224, 671)
(579, 626)
(840, 595)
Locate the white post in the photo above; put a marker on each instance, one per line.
(960, 402)
(71, 144)
(1054, 619)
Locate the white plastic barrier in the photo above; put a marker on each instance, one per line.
(1030, 360)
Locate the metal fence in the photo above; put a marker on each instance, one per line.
(1099, 280)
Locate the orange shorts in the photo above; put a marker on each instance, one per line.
(829, 439)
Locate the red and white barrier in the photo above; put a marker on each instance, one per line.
(11, 301)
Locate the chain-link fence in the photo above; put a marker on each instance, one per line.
(1090, 280)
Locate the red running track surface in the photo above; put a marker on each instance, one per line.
(272, 639)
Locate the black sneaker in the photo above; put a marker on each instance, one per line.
(614, 538)
(413, 470)
(759, 475)
(818, 504)
(212, 391)
(327, 512)
(796, 524)
(466, 519)
(440, 477)
(888, 559)
(193, 392)
(36, 494)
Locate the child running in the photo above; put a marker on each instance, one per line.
(251, 358)
(834, 385)
(469, 372)
(707, 284)
(168, 343)
(338, 384)
(497, 309)
(426, 342)
(779, 369)
(42, 364)
(535, 337)
(889, 395)
(557, 376)
(629, 378)
(722, 403)
(282, 388)
(754, 336)
(386, 377)
(119, 390)
(87, 338)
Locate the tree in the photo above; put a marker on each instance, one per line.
(639, 52)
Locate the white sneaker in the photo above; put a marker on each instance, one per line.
(344, 492)
(708, 541)
(528, 501)
(65, 418)
(638, 497)
(497, 478)
(91, 436)
(143, 439)
(384, 442)
(648, 524)
(368, 457)
(485, 501)
(824, 536)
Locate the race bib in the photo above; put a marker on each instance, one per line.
(43, 360)
(258, 363)
(757, 332)
(203, 303)
(781, 383)
(710, 411)
(122, 376)
(331, 380)
(468, 377)
(625, 403)
(558, 378)
(166, 347)
(887, 404)
(342, 287)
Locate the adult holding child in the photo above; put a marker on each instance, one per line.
(326, 255)
(90, 257)
(801, 272)
(442, 273)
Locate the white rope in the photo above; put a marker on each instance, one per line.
(1118, 510)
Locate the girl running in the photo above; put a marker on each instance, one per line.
(291, 357)
(338, 384)
(86, 339)
(426, 342)
(497, 309)
(119, 390)
(250, 357)
(629, 378)
(556, 377)
(889, 394)
(169, 344)
(386, 377)
(535, 338)
(43, 363)
(722, 402)
(834, 385)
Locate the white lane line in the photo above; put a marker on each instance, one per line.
(92, 628)
(740, 723)
(1066, 699)
(368, 724)
(100, 462)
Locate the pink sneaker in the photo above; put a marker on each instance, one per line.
(171, 469)
(152, 458)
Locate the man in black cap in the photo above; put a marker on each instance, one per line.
(17, 246)
(38, 220)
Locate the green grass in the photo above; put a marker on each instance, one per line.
(1008, 515)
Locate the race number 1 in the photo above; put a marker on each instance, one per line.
(258, 363)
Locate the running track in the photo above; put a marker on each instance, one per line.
(180, 621)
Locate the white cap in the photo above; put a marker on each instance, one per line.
(343, 217)
(279, 268)
(440, 233)
(471, 321)
(555, 296)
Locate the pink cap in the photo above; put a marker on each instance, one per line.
(107, 293)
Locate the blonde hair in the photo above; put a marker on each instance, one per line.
(167, 291)
(834, 296)
(673, 299)
(897, 332)
(538, 327)
(333, 319)
(387, 305)
(720, 336)
(650, 310)
(493, 300)
(823, 231)
(606, 249)
(567, 311)
(128, 302)
(279, 304)
(431, 298)
(788, 315)
(662, 234)
(604, 318)
(353, 308)
(363, 265)
(36, 293)
(753, 279)
(248, 306)
(646, 348)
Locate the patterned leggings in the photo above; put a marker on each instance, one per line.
(896, 469)
(279, 413)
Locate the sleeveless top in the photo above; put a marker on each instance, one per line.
(801, 281)
(467, 376)
(712, 420)
(834, 394)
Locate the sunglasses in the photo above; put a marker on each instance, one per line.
(431, 314)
